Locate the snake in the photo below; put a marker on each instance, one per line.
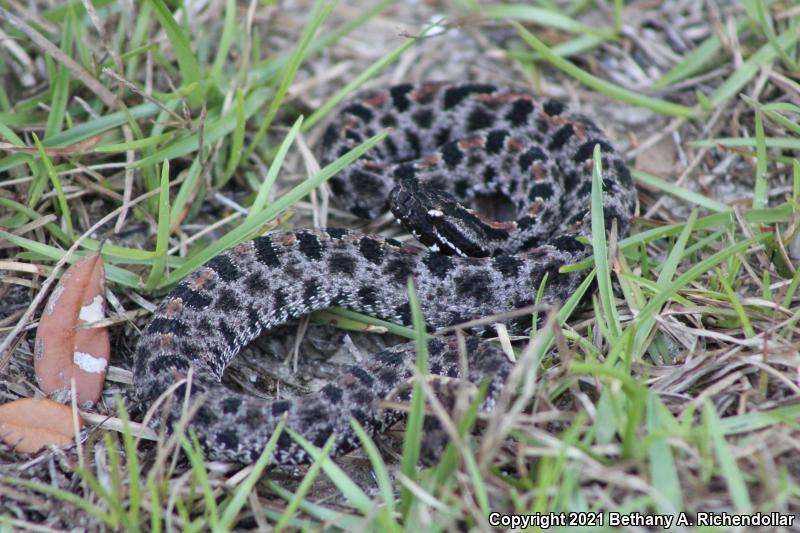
(449, 146)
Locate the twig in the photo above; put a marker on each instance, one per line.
(77, 71)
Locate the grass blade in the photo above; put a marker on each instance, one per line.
(187, 63)
(194, 453)
(541, 16)
(760, 191)
(245, 488)
(357, 497)
(747, 327)
(416, 414)
(318, 14)
(59, 84)
(162, 235)
(247, 228)
(274, 168)
(215, 129)
(229, 28)
(113, 273)
(600, 248)
(646, 318)
(237, 142)
(661, 460)
(381, 475)
(598, 84)
(727, 463)
(679, 192)
(59, 190)
(305, 485)
(751, 66)
(694, 61)
(696, 271)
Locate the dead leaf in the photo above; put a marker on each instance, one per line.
(659, 159)
(64, 351)
(30, 424)
(81, 147)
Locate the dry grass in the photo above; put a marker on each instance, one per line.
(684, 398)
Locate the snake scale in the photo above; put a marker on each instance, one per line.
(448, 145)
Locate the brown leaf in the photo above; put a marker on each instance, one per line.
(81, 147)
(63, 351)
(659, 159)
(30, 424)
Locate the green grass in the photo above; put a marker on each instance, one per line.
(664, 384)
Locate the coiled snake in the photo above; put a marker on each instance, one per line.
(449, 145)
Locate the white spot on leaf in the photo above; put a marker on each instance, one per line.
(51, 303)
(89, 363)
(94, 311)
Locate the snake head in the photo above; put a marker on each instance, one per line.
(440, 222)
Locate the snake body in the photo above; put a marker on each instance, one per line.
(449, 144)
